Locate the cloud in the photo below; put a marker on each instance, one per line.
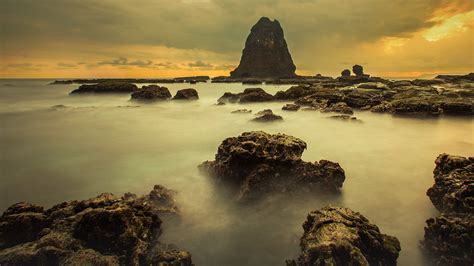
(124, 62)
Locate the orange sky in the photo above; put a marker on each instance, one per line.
(146, 38)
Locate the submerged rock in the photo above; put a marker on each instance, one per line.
(291, 107)
(241, 111)
(107, 87)
(266, 115)
(340, 236)
(186, 94)
(257, 163)
(266, 53)
(105, 230)
(453, 190)
(151, 93)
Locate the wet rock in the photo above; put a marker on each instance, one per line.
(241, 111)
(107, 87)
(295, 92)
(346, 73)
(266, 53)
(291, 107)
(453, 190)
(266, 115)
(358, 98)
(449, 239)
(340, 236)
(344, 117)
(186, 94)
(457, 78)
(248, 95)
(252, 81)
(384, 107)
(340, 107)
(105, 230)
(151, 93)
(427, 82)
(257, 163)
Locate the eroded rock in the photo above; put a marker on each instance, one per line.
(107, 87)
(151, 93)
(186, 94)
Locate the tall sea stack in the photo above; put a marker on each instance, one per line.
(265, 54)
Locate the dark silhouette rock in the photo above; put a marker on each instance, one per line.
(346, 73)
(151, 93)
(340, 236)
(107, 87)
(358, 70)
(266, 53)
(257, 163)
(186, 94)
(105, 230)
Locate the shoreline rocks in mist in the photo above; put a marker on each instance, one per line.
(107, 87)
(186, 94)
(105, 230)
(265, 53)
(449, 237)
(247, 96)
(266, 115)
(151, 93)
(257, 163)
(340, 236)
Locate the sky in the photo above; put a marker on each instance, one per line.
(171, 38)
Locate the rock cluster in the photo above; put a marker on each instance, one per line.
(248, 95)
(340, 236)
(256, 163)
(105, 230)
(107, 87)
(151, 93)
(266, 53)
(449, 237)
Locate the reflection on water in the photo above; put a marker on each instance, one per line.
(106, 143)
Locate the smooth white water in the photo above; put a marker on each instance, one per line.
(104, 143)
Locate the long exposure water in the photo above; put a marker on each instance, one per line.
(106, 143)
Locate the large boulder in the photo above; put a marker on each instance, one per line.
(340, 236)
(186, 94)
(453, 190)
(151, 93)
(358, 70)
(105, 230)
(256, 163)
(248, 95)
(107, 87)
(266, 53)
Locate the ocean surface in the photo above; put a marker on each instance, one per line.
(105, 143)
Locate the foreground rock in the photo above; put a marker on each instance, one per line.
(151, 93)
(107, 87)
(449, 237)
(340, 236)
(291, 107)
(257, 163)
(186, 94)
(247, 96)
(105, 230)
(453, 190)
(266, 53)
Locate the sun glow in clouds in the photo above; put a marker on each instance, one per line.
(455, 24)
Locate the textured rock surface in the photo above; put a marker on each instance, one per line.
(291, 107)
(266, 53)
(266, 116)
(340, 236)
(449, 237)
(151, 93)
(257, 163)
(186, 94)
(105, 230)
(453, 190)
(107, 87)
(295, 92)
(340, 107)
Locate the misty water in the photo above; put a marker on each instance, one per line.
(106, 143)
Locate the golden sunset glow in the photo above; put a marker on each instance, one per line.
(167, 39)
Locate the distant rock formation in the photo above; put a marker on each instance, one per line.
(266, 53)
